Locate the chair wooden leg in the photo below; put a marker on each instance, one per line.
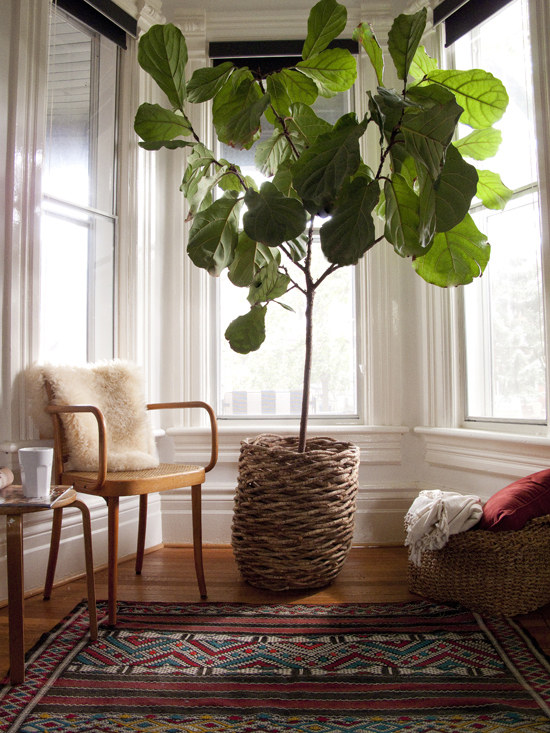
(54, 552)
(89, 557)
(112, 522)
(196, 512)
(142, 529)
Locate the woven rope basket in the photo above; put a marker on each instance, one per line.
(294, 512)
(489, 572)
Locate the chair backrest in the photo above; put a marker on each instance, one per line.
(114, 390)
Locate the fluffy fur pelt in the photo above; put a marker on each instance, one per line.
(116, 388)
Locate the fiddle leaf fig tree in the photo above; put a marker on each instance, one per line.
(420, 188)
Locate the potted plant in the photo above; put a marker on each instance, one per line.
(295, 500)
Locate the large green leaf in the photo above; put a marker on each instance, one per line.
(280, 100)
(429, 95)
(249, 257)
(272, 217)
(333, 70)
(271, 153)
(427, 134)
(483, 97)
(365, 36)
(402, 217)
(162, 53)
(247, 333)
(321, 170)
(480, 144)
(170, 144)
(283, 180)
(214, 234)
(349, 233)
(305, 124)
(231, 182)
(155, 123)
(198, 192)
(455, 190)
(198, 166)
(207, 82)
(243, 129)
(234, 110)
(426, 209)
(422, 64)
(456, 257)
(403, 39)
(269, 284)
(327, 20)
(298, 86)
(492, 191)
(377, 116)
(390, 98)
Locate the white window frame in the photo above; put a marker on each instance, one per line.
(499, 449)
(276, 421)
(100, 326)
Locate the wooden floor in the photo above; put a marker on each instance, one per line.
(370, 575)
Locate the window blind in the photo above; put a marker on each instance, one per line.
(266, 56)
(462, 16)
(103, 16)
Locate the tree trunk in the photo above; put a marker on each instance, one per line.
(307, 368)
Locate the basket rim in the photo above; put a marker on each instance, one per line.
(283, 444)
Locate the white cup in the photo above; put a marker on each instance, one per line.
(36, 471)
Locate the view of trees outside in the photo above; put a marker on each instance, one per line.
(505, 357)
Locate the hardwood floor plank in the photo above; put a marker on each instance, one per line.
(370, 575)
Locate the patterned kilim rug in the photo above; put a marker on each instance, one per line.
(231, 668)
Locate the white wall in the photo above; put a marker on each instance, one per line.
(412, 438)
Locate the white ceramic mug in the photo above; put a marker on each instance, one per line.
(36, 471)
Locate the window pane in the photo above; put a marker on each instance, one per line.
(76, 293)
(505, 350)
(505, 330)
(78, 228)
(501, 45)
(269, 381)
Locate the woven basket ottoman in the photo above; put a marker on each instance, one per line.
(490, 572)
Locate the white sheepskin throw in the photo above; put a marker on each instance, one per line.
(116, 388)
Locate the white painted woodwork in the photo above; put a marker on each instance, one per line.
(410, 368)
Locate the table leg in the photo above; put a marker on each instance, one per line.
(14, 537)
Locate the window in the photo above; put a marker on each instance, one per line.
(79, 223)
(268, 382)
(503, 311)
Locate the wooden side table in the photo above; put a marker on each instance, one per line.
(14, 537)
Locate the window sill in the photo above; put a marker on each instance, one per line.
(380, 445)
(498, 454)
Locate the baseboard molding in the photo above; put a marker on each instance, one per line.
(80, 576)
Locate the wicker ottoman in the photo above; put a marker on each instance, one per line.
(489, 572)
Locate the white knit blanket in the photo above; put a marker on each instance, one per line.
(434, 516)
(116, 388)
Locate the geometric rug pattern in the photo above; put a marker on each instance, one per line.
(242, 668)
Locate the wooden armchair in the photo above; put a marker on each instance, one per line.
(111, 485)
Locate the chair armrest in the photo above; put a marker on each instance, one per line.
(213, 424)
(102, 457)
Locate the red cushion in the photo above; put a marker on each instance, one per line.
(511, 507)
